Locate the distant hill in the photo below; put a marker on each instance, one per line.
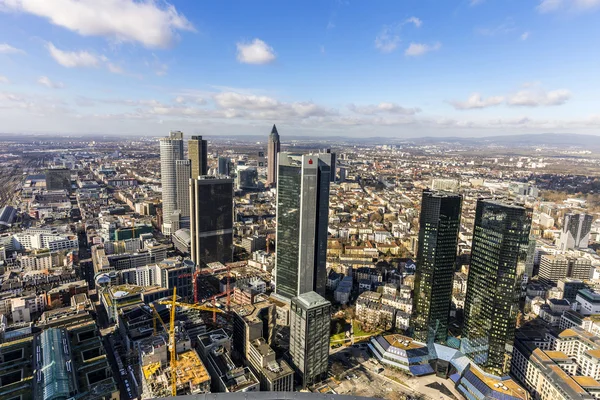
(541, 139)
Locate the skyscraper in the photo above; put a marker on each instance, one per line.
(302, 220)
(211, 219)
(273, 149)
(310, 319)
(439, 224)
(198, 155)
(498, 258)
(171, 150)
(576, 231)
(330, 157)
(182, 173)
(223, 166)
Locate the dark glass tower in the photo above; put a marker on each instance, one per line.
(273, 149)
(302, 220)
(498, 260)
(438, 236)
(198, 155)
(211, 219)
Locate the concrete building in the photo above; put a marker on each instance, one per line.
(273, 149)
(555, 267)
(58, 179)
(575, 232)
(302, 220)
(309, 337)
(183, 174)
(589, 302)
(211, 219)
(254, 243)
(171, 151)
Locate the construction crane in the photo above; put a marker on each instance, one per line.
(199, 307)
(194, 276)
(157, 316)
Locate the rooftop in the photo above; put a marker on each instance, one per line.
(312, 299)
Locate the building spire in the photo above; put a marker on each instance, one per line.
(274, 130)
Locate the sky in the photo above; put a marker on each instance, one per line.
(397, 68)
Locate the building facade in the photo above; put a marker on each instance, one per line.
(211, 219)
(302, 221)
(182, 171)
(575, 231)
(438, 238)
(198, 156)
(171, 151)
(498, 257)
(310, 320)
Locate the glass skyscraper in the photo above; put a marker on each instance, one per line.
(302, 220)
(198, 155)
(211, 219)
(171, 150)
(498, 261)
(439, 224)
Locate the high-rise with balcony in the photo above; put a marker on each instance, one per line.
(273, 149)
(198, 155)
(171, 151)
(436, 258)
(498, 259)
(302, 221)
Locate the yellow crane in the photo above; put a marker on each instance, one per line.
(192, 306)
(157, 316)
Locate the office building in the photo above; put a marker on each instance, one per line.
(330, 158)
(182, 172)
(445, 184)
(575, 231)
(273, 149)
(555, 267)
(171, 151)
(247, 178)
(498, 258)
(570, 287)
(302, 220)
(223, 166)
(198, 156)
(310, 320)
(58, 179)
(211, 219)
(438, 237)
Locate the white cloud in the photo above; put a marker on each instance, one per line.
(6, 48)
(536, 97)
(508, 26)
(255, 52)
(476, 101)
(414, 20)
(45, 81)
(525, 36)
(387, 40)
(418, 49)
(151, 23)
(547, 6)
(383, 107)
(73, 59)
(4, 79)
(115, 69)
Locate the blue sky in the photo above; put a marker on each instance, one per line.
(333, 67)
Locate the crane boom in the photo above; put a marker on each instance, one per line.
(192, 306)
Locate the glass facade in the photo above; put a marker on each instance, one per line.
(198, 155)
(498, 260)
(302, 221)
(211, 220)
(438, 237)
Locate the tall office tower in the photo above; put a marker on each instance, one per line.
(171, 150)
(576, 231)
(211, 219)
(438, 237)
(330, 157)
(223, 166)
(498, 258)
(310, 319)
(182, 173)
(198, 155)
(273, 149)
(302, 218)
